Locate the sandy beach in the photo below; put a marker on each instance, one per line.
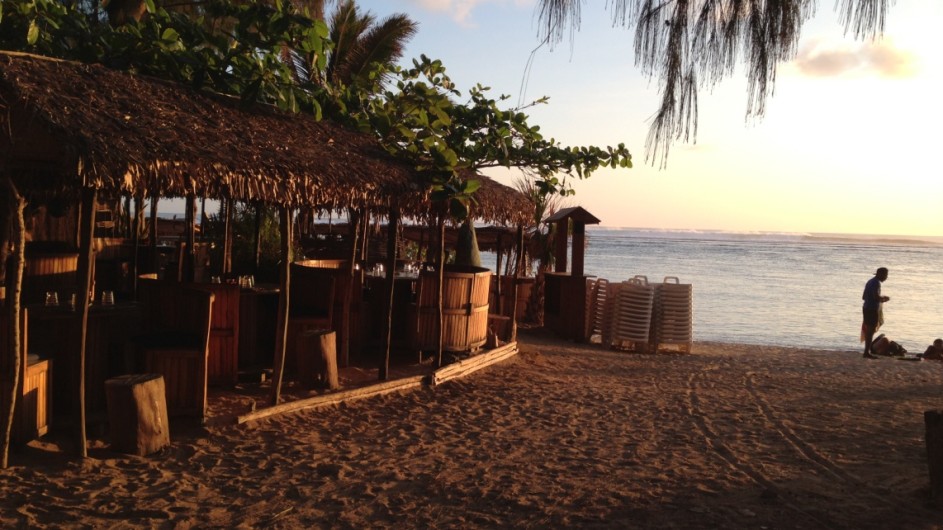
(561, 435)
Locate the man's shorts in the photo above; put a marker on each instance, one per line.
(870, 317)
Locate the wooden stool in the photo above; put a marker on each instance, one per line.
(316, 358)
(137, 413)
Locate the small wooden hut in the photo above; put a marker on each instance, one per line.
(565, 292)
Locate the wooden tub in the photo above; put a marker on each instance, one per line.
(465, 309)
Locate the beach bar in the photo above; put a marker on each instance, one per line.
(78, 135)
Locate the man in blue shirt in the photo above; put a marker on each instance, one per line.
(872, 309)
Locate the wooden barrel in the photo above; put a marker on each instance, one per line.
(465, 308)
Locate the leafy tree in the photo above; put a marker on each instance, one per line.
(418, 119)
(687, 44)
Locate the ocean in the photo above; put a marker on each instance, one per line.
(781, 289)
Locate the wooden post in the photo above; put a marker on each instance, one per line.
(392, 234)
(579, 248)
(517, 278)
(189, 255)
(15, 205)
(933, 422)
(227, 236)
(86, 262)
(136, 245)
(353, 233)
(258, 236)
(440, 306)
(499, 304)
(202, 218)
(560, 236)
(281, 328)
(152, 235)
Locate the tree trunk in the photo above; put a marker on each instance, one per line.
(281, 328)
(15, 205)
(391, 239)
(354, 232)
(136, 245)
(258, 237)
(440, 307)
(517, 278)
(84, 276)
(189, 256)
(227, 237)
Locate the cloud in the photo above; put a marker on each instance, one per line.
(881, 59)
(461, 10)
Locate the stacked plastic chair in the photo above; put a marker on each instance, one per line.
(596, 293)
(630, 319)
(673, 322)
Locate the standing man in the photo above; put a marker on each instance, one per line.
(872, 309)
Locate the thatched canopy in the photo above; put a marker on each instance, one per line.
(68, 124)
(493, 203)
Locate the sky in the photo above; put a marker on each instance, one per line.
(848, 143)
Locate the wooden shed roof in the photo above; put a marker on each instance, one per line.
(576, 213)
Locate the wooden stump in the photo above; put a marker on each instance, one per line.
(316, 357)
(933, 420)
(137, 413)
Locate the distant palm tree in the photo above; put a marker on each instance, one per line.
(689, 43)
(361, 41)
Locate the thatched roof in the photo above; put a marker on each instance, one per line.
(69, 124)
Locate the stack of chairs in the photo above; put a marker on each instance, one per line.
(628, 318)
(673, 322)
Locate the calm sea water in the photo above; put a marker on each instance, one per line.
(784, 289)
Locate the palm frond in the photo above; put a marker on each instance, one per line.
(384, 42)
(689, 44)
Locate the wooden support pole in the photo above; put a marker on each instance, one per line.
(136, 245)
(258, 237)
(579, 248)
(226, 267)
(392, 233)
(15, 204)
(152, 236)
(202, 218)
(440, 306)
(189, 255)
(499, 303)
(933, 422)
(560, 237)
(281, 328)
(85, 271)
(348, 294)
(517, 278)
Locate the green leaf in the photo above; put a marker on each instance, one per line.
(32, 34)
(151, 7)
(471, 186)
